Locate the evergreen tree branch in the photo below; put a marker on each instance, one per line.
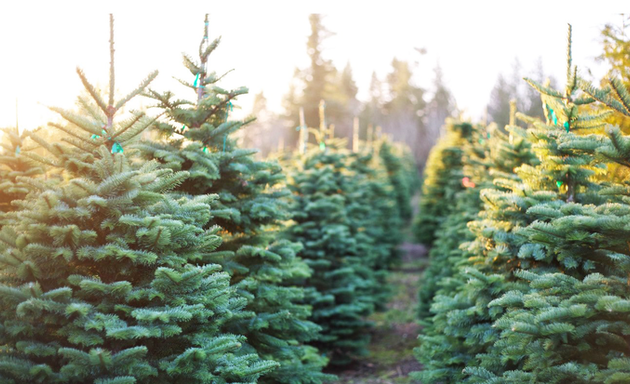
(43, 160)
(604, 97)
(70, 132)
(92, 91)
(91, 110)
(543, 89)
(78, 120)
(34, 183)
(129, 131)
(190, 64)
(44, 143)
(591, 121)
(213, 79)
(583, 100)
(211, 47)
(79, 144)
(622, 94)
(137, 91)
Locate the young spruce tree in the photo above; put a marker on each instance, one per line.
(442, 185)
(568, 322)
(460, 325)
(375, 210)
(329, 211)
(105, 275)
(197, 138)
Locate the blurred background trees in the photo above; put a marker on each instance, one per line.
(395, 102)
(405, 111)
(512, 87)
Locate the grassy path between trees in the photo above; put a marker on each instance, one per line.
(395, 331)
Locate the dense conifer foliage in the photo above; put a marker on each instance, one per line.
(403, 174)
(458, 325)
(197, 137)
(105, 276)
(539, 293)
(13, 164)
(348, 216)
(343, 279)
(441, 181)
(570, 315)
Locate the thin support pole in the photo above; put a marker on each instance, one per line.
(355, 135)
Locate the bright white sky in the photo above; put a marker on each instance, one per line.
(41, 44)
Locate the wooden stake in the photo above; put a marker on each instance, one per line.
(512, 111)
(303, 133)
(355, 135)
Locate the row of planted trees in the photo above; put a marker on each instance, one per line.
(179, 257)
(530, 262)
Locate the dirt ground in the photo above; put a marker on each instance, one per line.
(395, 331)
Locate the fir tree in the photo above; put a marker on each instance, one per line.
(402, 113)
(440, 106)
(472, 273)
(441, 181)
(250, 211)
(105, 276)
(513, 87)
(375, 215)
(452, 229)
(330, 209)
(559, 327)
(403, 175)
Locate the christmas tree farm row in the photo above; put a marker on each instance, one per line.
(142, 249)
(528, 277)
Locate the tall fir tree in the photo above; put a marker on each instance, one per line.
(321, 80)
(459, 325)
(452, 229)
(566, 324)
(403, 111)
(541, 293)
(440, 105)
(332, 197)
(105, 278)
(513, 87)
(349, 218)
(198, 138)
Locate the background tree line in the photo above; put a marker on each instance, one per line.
(404, 110)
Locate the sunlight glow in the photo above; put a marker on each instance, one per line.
(473, 42)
